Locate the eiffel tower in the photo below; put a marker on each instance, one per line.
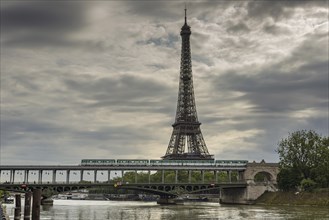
(186, 129)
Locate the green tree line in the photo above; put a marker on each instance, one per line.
(170, 176)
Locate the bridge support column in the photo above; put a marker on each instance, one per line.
(189, 176)
(176, 176)
(81, 175)
(216, 176)
(122, 174)
(240, 175)
(40, 176)
(163, 179)
(54, 176)
(108, 176)
(202, 175)
(149, 176)
(230, 176)
(25, 176)
(68, 176)
(12, 176)
(135, 176)
(27, 205)
(95, 176)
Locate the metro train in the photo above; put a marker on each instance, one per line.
(146, 162)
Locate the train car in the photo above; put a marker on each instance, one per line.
(196, 162)
(83, 162)
(207, 162)
(157, 162)
(182, 163)
(239, 163)
(242, 162)
(225, 163)
(97, 162)
(132, 162)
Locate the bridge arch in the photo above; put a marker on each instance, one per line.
(263, 176)
(256, 171)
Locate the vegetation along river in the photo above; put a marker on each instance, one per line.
(101, 210)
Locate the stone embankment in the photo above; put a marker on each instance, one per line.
(319, 197)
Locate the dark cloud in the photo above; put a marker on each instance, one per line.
(34, 24)
(237, 28)
(298, 82)
(47, 40)
(166, 41)
(279, 9)
(276, 91)
(275, 29)
(314, 48)
(24, 125)
(44, 40)
(126, 92)
(164, 10)
(55, 17)
(275, 9)
(286, 96)
(155, 9)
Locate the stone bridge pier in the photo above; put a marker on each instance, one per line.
(260, 177)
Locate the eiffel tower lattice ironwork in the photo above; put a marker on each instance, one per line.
(186, 129)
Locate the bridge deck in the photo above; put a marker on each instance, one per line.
(222, 184)
(140, 168)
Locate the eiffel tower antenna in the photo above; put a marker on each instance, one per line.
(186, 142)
(185, 13)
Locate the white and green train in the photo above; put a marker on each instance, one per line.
(146, 162)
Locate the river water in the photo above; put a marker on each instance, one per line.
(102, 210)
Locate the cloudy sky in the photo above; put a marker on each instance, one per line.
(99, 79)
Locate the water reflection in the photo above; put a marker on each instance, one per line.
(102, 210)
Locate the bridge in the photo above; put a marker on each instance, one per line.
(239, 187)
(75, 170)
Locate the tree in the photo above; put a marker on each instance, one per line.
(308, 185)
(300, 151)
(3, 194)
(222, 176)
(305, 154)
(129, 177)
(288, 179)
(320, 173)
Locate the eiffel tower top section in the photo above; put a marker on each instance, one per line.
(186, 142)
(186, 30)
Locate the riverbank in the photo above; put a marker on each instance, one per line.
(316, 198)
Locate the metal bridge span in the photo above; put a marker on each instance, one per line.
(162, 189)
(10, 173)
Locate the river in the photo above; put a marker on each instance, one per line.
(102, 210)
